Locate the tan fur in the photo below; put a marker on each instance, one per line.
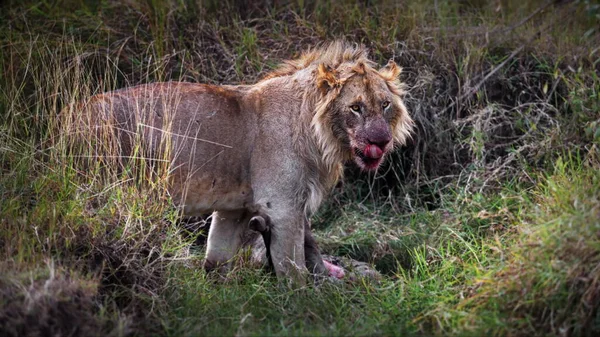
(275, 148)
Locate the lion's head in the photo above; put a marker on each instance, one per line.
(360, 113)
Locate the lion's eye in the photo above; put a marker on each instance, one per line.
(385, 105)
(355, 108)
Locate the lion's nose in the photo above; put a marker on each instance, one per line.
(380, 139)
(378, 133)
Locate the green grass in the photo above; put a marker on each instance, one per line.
(485, 224)
(528, 268)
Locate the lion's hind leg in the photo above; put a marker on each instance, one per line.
(312, 254)
(262, 224)
(224, 239)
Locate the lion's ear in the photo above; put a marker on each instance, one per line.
(391, 71)
(326, 78)
(359, 68)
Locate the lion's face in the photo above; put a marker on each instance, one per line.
(368, 115)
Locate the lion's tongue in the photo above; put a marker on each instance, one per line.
(373, 151)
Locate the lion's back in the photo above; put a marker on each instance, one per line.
(203, 131)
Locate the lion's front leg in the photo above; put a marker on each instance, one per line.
(287, 247)
(312, 255)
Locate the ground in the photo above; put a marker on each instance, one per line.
(487, 222)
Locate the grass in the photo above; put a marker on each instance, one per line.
(522, 269)
(486, 223)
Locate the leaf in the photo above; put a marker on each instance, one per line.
(589, 32)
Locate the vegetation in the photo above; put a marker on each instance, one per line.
(488, 222)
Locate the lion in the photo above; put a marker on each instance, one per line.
(274, 149)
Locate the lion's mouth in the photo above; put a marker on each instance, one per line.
(369, 158)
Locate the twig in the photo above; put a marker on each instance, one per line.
(485, 78)
(492, 72)
(507, 29)
(498, 67)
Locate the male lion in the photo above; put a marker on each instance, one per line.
(273, 149)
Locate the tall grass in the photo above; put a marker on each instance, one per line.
(69, 200)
